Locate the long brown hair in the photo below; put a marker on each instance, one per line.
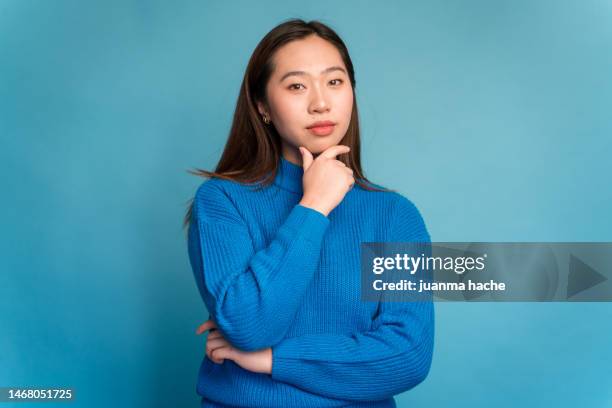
(253, 149)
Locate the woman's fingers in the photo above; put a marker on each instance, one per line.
(335, 150)
(207, 325)
(215, 360)
(217, 348)
(213, 335)
(221, 353)
(215, 343)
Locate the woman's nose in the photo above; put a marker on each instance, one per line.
(319, 102)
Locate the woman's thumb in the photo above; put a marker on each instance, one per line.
(306, 158)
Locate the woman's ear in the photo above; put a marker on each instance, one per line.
(262, 108)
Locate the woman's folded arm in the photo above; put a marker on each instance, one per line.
(393, 356)
(251, 295)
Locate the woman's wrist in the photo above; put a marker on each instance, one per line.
(312, 204)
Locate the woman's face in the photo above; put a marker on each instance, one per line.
(309, 84)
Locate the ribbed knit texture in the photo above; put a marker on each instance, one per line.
(273, 273)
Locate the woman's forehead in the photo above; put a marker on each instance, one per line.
(312, 58)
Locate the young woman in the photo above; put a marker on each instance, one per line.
(274, 241)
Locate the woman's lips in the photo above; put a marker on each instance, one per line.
(322, 130)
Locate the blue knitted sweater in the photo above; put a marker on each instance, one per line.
(273, 273)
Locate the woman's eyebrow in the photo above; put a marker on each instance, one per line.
(325, 71)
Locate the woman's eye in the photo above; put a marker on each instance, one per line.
(295, 86)
(339, 81)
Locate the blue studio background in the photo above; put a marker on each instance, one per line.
(492, 116)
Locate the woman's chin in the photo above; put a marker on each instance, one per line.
(319, 146)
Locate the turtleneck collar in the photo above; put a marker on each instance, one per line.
(289, 176)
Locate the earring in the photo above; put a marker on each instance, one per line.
(266, 119)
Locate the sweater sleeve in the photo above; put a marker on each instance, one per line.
(393, 357)
(245, 291)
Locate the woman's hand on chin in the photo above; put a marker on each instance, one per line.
(218, 349)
